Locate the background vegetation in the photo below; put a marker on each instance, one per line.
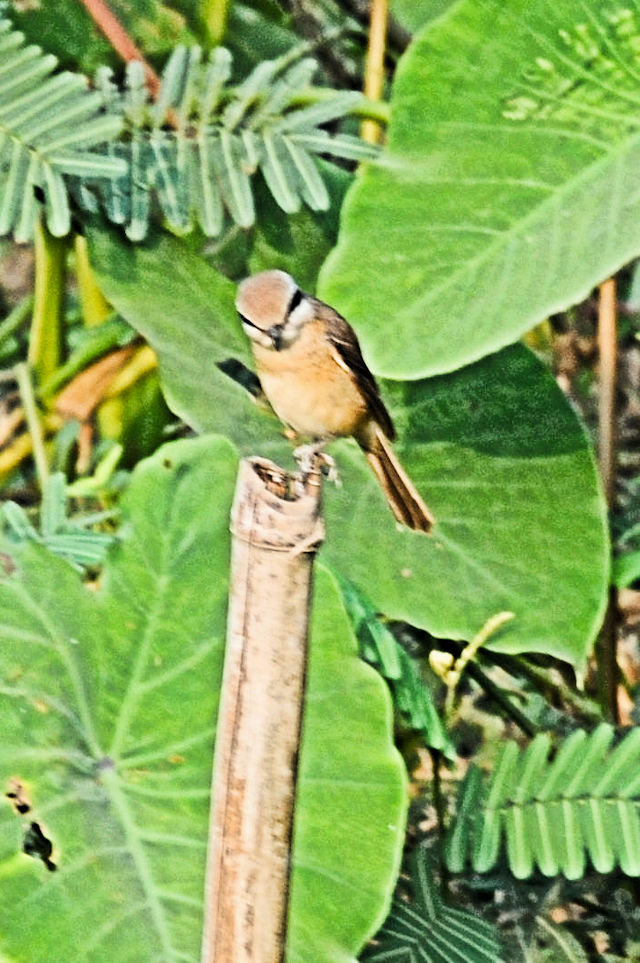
(464, 249)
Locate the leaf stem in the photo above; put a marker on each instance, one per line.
(21, 446)
(16, 318)
(374, 66)
(543, 682)
(452, 675)
(141, 364)
(440, 806)
(25, 386)
(498, 695)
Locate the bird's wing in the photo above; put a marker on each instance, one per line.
(348, 355)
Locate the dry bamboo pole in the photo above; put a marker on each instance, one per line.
(276, 529)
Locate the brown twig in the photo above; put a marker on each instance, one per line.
(606, 655)
(608, 347)
(120, 40)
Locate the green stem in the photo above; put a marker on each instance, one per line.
(95, 307)
(543, 682)
(498, 695)
(25, 386)
(45, 339)
(16, 318)
(214, 14)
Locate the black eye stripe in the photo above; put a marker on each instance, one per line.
(295, 301)
(246, 321)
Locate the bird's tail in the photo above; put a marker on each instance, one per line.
(403, 497)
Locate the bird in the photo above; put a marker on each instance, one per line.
(312, 372)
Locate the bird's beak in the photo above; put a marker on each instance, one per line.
(275, 333)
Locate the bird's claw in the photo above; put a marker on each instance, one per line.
(329, 469)
(312, 459)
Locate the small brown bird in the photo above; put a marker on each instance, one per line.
(312, 371)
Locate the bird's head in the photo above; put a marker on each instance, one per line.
(272, 309)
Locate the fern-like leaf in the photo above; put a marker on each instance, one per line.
(380, 649)
(197, 148)
(428, 931)
(553, 813)
(192, 152)
(71, 538)
(50, 125)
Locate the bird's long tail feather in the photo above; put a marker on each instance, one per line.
(403, 497)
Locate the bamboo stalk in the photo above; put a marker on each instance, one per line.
(277, 527)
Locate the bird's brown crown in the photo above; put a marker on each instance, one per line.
(264, 298)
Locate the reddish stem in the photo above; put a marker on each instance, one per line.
(120, 40)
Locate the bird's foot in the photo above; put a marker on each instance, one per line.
(313, 460)
(329, 469)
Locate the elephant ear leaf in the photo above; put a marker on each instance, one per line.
(506, 190)
(108, 711)
(494, 448)
(504, 464)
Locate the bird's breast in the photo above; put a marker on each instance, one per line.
(307, 387)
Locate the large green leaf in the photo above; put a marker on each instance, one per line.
(508, 187)
(108, 706)
(413, 14)
(352, 796)
(521, 524)
(186, 310)
(495, 448)
(107, 712)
